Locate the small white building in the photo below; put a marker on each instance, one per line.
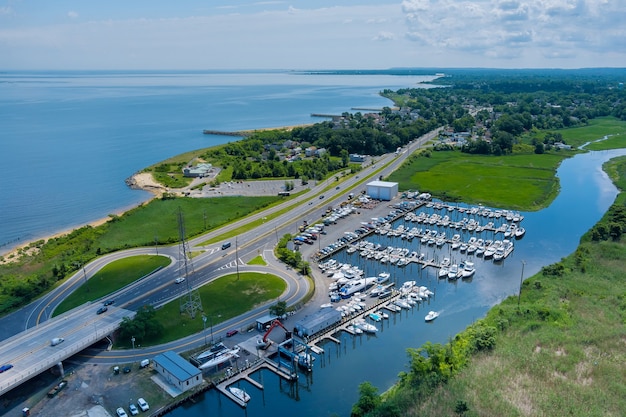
(382, 190)
(177, 371)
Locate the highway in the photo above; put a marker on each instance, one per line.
(26, 334)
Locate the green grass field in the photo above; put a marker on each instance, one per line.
(158, 220)
(223, 299)
(111, 278)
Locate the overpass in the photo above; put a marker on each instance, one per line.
(31, 353)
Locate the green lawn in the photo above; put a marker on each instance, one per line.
(111, 278)
(223, 299)
(158, 220)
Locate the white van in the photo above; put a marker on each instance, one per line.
(144, 363)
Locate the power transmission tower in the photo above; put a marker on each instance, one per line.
(190, 303)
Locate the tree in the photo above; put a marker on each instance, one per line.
(279, 309)
(368, 400)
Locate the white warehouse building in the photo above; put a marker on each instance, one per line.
(382, 190)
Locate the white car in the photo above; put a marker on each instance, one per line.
(121, 413)
(133, 410)
(179, 280)
(143, 404)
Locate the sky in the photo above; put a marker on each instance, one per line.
(313, 34)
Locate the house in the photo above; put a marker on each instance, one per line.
(177, 371)
(200, 170)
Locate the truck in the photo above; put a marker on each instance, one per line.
(57, 340)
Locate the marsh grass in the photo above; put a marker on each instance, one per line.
(597, 129)
(521, 181)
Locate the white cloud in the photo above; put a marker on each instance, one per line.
(509, 29)
(6, 10)
(384, 36)
(72, 14)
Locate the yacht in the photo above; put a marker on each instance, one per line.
(453, 272)
(468, 269)
(240, 394)
(432, 315)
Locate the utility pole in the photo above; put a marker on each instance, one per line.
(156, 244)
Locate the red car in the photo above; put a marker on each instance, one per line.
(231, 333)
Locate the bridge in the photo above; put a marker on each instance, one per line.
(31, 352)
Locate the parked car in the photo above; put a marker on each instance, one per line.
(5, 367)
(133, 410)
(102, 310)
(143, 404)
(126, 369)
(121, 413)
(179, 280)
(232, 332)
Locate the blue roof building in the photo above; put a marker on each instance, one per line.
(177, 371)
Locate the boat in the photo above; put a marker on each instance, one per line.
(374, 316)
(453, 272)
(221, 358)
(382, 314)
(383, 277)
(305, 360)
(520, 232)
(240, 394)
(468, 269)
(365, 326)
(401, 303)
(432, 315)
(443, 272)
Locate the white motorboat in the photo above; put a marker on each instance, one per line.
(402, 304)
(240, 394)
(443, 272)
(453, 272)
(365, 326)
(468, 269)
(383, 277)
(519, 232)
(406, 286)
(432, 315)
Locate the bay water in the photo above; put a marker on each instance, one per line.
(70, 139)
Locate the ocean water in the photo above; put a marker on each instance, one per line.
(70, 139)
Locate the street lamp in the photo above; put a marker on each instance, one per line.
(211, 317)
(204, 327)
(132, 339)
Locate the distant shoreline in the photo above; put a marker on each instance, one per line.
(249, 132)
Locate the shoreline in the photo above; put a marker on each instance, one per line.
(139, 181)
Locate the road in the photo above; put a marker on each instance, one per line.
(159, 288)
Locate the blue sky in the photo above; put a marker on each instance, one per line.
(320, 34)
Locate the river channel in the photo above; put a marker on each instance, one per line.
(332, 387)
